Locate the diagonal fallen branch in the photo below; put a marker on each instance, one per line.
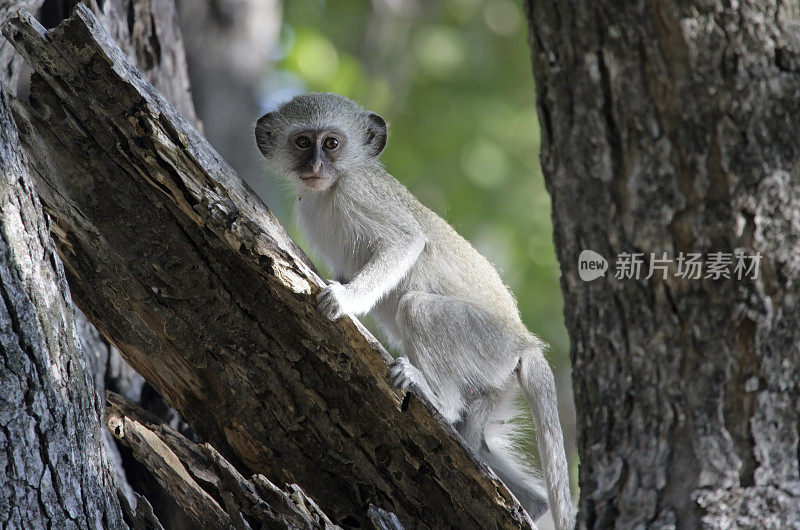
(206, 485)
(178, 262)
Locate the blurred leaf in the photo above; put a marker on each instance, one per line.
(439, 50)
(314, 56)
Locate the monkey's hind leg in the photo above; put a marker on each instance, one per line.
(446, 340)
(467, 356)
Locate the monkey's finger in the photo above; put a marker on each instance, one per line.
(324, 299)
(401, 382)
(323, 295)
(399, 366)
(395, 370)
(395, 377)
(322, 303)
(324, 307)
(393, 373)
(330, 308)
(397, 374)
(330, 313)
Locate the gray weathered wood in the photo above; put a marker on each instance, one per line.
(10, 60)
(673, 127)
(54, 470)
(194, 280)
(383, 520)
(206, 485)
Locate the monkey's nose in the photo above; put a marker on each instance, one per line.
(316, 165)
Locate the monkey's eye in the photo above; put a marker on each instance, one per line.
(330, 143)
(303, 142)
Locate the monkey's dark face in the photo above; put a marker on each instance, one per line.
(315, 156)
(315, 139)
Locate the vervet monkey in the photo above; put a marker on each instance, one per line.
(432, 293)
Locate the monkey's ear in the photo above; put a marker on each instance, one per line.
(264, 133)
(376, 134)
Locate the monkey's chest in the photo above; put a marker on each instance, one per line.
(343, 249)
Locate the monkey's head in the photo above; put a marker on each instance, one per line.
(315, 138)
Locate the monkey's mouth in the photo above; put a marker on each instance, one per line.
(313, 177)
(315, 181)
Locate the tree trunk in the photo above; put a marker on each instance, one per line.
(54, 469)
(180, 264)
(672, 128)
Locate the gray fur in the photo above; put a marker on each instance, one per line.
(432, 293)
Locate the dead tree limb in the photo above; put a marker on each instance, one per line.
(175, 260)
(206, 485)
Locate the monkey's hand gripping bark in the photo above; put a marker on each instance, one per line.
(383, 272)
(334, 301)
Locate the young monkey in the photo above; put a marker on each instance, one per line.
(433, 294)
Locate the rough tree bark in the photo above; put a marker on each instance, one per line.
(54, 469)
(672, 127)
(180, 264)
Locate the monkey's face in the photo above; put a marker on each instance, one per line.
(316, 155)
(315, 139)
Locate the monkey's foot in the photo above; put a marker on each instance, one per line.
(405, 375)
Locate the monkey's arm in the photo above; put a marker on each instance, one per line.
(380, 275)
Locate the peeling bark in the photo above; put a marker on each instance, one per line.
(672, 127)
(175, 260)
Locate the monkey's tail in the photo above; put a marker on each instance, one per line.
(537, 383)
(500, 449)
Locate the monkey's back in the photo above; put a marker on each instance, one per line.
(449, 265)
